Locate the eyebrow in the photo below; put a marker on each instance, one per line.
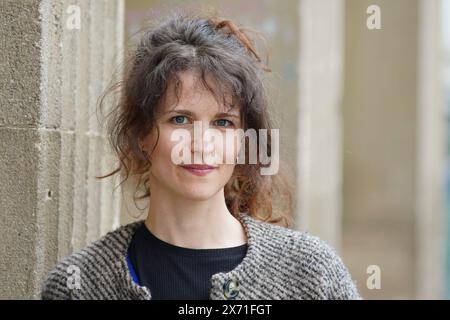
(190, 113)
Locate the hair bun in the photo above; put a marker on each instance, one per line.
(234, 29)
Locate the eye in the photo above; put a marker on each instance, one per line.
(178, 119)
(224, 122)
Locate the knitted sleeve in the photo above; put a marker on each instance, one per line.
(340, 283)
(56, 286)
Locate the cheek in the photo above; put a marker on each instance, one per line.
(227, 171)
(237, 146)
(164, 148)
(229, 148)
(160, 154)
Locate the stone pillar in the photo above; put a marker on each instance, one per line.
(431, 153)
(319, 118)
(53, 71)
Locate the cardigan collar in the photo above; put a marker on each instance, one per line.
(224, 285)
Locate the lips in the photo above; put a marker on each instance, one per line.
(198, 166)
(199, 169)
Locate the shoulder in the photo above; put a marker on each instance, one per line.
(312, 264)
(91, 273)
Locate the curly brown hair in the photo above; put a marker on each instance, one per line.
(213, 46)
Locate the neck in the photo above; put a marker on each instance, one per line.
(193, 224)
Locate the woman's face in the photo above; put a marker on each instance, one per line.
(198, 104)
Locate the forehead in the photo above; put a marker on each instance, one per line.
(189, 92)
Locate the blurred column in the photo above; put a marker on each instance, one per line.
(53, 70)
(320, 92)
(380, 146)
(431, 144)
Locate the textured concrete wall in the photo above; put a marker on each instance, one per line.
(51, 142)
(20, 34)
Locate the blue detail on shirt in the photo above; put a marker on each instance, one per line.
(133, 273)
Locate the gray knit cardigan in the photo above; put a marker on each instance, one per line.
(280, 263)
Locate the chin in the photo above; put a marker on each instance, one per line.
(198, 193)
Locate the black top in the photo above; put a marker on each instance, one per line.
(173, 272)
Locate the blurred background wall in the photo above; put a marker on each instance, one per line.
(379, 111)
(363, 117)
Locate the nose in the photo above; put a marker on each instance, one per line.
(202, 143)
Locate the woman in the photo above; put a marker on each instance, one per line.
(210, 232)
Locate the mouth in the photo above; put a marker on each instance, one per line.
(199, 169)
